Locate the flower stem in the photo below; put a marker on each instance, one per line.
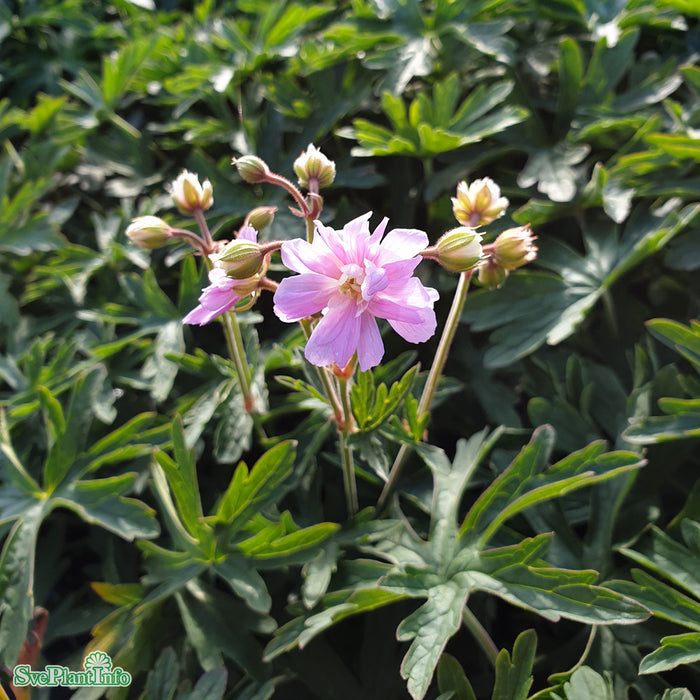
(236, 350)
(344, 430)
(426, 399)
(480, 634)
(204, 228)
(348, 474)
(326, 379)
(448, 334)
(285, 184)
(234, 341)
(193, 239)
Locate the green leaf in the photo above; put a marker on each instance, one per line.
(162, 680)
(663, 600)
(450, 482)
(451, 678)
(532, 308)
(570, 77)
(585, 684)
(182, 478)
(556, 593)
(246, 582)
(514, 677)
(674, 651)
(97, 502)
(666, 557)
(683, 339)
(16, 583)
(247, 494)
(430, 627)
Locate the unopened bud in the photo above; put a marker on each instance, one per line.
(514, 248)
(261, 217)
(149, 232)
(245, 287)
(189, 195)
(491, 274)
(479, 203)
(459, 250)
(251, 168)
(240, 259)
(313, 166)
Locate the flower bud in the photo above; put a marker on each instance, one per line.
(491, 274)
(189, 195)
(261, 217)
(245, 287)
(514, 248)
(252, 169)
(239, 258)
(149, 232)
(459, 250)
(479, 203)
(312, 166)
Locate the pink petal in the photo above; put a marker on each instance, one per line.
(301, 296)
(200, 316)
(214, 297)
(248, 233)
(402, 244)
(300, 256)
(370, 348)
(376, 279)
(417, 332)
(335, 337)
(401, 270)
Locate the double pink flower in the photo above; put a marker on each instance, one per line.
(353, 277)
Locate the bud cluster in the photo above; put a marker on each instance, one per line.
(512, 249)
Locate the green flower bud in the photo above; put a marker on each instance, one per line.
(240, 259)
(313, 166)
(514, 248)
(261, 217)
(491, 274)
(479, 203)
(188, 195)
(252, 169)
(149, 232)
(459, 250)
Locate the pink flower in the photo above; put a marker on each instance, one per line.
(224, 292)
(353, 278)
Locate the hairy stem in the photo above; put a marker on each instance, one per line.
(346, 451)
(203, 228)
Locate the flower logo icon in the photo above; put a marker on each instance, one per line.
(97, 659)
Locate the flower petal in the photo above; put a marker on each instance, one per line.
(370, 348)
(376, 279)
(335, 337)
(402, 244)
(417, 332)
(301, 296)
(300, 256)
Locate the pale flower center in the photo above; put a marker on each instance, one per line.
(350, 281)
